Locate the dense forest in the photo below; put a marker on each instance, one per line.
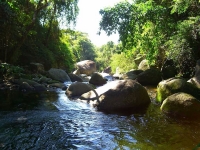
(156, 30)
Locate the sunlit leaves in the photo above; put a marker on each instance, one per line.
(82, 47)
(180, 6)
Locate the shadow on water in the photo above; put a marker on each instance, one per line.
(51, 121)
(17, 100)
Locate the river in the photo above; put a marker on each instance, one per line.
(50, 121)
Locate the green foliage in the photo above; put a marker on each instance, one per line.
(123, 62)
(183, 47)
(30, 32)
(141, 25)
(7, 70)
(82, 47)
(104, 54)
(158, 29)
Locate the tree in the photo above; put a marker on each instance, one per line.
(104, 54)
(152, 27)
(141, 25)
(30, 27)
(82, 47)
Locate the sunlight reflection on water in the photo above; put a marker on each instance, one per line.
(77, 125)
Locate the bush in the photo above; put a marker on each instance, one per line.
(123, 62)
(8, 70)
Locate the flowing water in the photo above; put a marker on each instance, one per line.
(51, 121)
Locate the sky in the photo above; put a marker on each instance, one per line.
(89, 18)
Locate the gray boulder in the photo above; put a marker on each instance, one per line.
(86, 67)
(149, 77)
(119, 95)
(77, 89)
(97, 79)
(59, 74)
(132, 74)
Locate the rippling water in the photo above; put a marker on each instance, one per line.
(51, 121)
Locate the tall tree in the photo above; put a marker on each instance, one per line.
(156, 28)
(23, 20)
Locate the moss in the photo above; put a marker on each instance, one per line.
(171, 86)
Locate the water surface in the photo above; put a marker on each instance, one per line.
(51, 121)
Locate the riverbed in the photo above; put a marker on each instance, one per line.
(52, 121)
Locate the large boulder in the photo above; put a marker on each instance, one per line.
(149, 77)
(119, 95)
(86, 67)
(59, 74)
(132, 74)
(97, 79)
(77, 89)
(181, 105)
(174, 85)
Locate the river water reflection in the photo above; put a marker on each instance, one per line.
(51, 121)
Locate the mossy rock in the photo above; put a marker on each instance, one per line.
(174, 85)
(181, 105)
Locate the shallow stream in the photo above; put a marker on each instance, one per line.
(51, 121)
